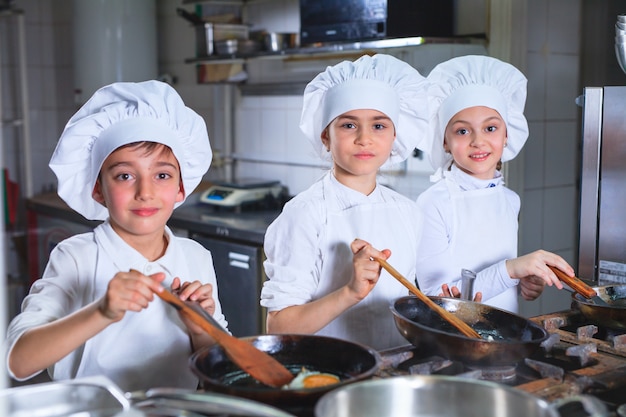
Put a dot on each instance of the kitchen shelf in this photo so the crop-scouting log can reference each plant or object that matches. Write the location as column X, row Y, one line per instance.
column 319, row 50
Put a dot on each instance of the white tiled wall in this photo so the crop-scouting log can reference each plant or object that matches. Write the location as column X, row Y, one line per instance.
column 266, row 128
column 549, row 214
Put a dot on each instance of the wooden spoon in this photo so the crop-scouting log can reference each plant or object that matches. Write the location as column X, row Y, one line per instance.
column 251, row 360
column 446, row 315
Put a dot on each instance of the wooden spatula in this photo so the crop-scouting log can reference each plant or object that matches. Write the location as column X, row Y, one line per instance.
column 579, row 286
column 251, row 360
column 449, row 317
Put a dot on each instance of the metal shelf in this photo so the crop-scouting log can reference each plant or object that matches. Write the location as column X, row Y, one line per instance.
column 335, row 48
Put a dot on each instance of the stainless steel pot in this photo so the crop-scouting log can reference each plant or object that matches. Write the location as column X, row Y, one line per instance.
column 613, row 315
column 441, row 396
column 514, row 337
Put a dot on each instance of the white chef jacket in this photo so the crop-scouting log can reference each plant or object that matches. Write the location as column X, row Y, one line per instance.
column 145, row 349
column 469, row 228
column 309, row 256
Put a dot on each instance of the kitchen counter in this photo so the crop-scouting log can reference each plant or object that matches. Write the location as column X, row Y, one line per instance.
column 192, row 216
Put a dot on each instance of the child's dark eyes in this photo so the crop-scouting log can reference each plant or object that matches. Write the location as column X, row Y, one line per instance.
column 492, row 129
column 123, row 177
column 462, row 131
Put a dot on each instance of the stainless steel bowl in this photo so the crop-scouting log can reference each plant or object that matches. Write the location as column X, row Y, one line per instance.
column 437, row 395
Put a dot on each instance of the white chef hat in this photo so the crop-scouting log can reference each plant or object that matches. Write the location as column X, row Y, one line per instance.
column 475, row 80
column 119, row 114
column 380, row 82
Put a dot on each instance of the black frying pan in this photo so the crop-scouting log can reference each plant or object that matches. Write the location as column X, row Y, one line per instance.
column 351, row 362
column 514, row 337
column 613, row 314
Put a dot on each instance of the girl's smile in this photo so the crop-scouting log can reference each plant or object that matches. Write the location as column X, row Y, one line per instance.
column 476, row 137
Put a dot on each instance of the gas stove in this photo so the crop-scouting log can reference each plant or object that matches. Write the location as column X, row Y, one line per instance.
column 577, row 358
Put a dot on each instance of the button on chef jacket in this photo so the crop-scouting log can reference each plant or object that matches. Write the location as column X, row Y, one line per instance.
column 308, row 255
column 469, row 226
column 145, row 349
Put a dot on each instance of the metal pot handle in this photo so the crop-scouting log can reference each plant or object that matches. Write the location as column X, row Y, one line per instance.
column 590, row 405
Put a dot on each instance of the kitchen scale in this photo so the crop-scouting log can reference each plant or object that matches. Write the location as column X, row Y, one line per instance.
column 241, row 192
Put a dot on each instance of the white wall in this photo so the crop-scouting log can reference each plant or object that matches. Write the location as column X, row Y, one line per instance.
column 550, row 200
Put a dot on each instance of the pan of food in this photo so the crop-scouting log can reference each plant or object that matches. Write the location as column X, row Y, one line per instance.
column 506, row 338
column 320, row 364
column 611, row 315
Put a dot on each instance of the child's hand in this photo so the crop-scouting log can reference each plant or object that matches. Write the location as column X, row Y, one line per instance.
column 535, row 264
column 531, row 287
column 129, row 291
column 195, row 291
column 455, row 293
column 366, row 269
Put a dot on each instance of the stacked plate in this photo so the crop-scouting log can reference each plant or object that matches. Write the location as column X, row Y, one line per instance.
column 620, row 41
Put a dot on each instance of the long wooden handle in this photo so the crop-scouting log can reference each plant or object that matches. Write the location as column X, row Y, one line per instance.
column 258, row 364
column 451, row 318
column 575, row 283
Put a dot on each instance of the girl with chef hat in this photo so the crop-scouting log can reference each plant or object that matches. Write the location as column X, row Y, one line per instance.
column 128, row 157
column 470, row 217
column 322, row 278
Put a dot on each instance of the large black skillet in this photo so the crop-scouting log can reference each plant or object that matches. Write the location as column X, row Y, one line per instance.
column 513, row 337
column 351, row 362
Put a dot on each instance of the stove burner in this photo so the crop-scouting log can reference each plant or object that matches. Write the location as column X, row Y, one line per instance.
column 503, row 374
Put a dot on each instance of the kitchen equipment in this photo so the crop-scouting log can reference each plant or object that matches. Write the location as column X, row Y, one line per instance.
column 578, row 357
column 579, row 286
column 336, row 21
column 88, row 397
column 276, row 42
column 514, row 337
column 251, row 360
column 206, row 403
column 463, row 327
column 612, row 313
column 602, row 236
column 241, row 192
column 437, row 395
column 350, row 361
column 467, row 284
column 209, row 33
column 226, row 47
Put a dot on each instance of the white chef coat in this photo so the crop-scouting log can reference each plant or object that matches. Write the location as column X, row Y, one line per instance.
column 309, row 256
column 469, row 228
column 145, row 349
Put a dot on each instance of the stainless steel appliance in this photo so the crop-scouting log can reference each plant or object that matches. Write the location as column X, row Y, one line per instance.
column 602, row 235
column 340, row 20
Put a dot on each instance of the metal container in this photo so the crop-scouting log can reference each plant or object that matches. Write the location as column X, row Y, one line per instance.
column 442, row 396
column 275, row 42
column 209, row 33
column 88, row 397
column 226, row 47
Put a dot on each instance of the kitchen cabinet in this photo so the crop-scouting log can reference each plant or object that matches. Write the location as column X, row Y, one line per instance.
column 239, row 270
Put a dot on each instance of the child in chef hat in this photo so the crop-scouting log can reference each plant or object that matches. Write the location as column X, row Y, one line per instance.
column 128, row 157
column 470, row 217
column 322, row 277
